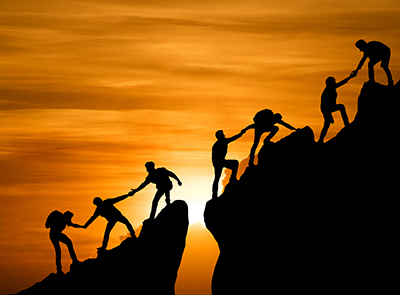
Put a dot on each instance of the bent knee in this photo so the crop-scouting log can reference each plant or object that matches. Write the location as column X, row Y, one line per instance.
column 341, row 106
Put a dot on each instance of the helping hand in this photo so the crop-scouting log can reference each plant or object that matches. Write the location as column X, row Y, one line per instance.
column 353, row 73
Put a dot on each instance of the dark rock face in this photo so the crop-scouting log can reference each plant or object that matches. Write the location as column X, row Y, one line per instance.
column 147, row 265
column 316, row 218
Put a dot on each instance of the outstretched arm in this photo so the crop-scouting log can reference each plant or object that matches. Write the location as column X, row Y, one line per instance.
column 345, row 80
column 120, row 198
column 237, row 136
column 142, row 186
column 91, row 219
column 252, row 126
column 173, row 175
column 361, row 63
column 75, row 225
column 288, row 126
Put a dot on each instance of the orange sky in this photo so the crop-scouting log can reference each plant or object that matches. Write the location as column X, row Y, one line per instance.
column 91, row 90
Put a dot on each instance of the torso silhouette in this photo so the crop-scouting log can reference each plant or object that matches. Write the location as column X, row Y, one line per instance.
column 160, row 177
column 219, row 151
column 107, row 210
column 376, row 50
column 328, row 98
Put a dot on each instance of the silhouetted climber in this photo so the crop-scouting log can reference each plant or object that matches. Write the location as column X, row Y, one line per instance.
column 264, row 121
column 376, row 52
column 219, row 151
column 160, row 177
column 57, row 222
column 107, row 210
column 329, row 105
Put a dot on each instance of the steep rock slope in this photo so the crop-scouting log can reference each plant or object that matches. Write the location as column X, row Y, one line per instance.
column 315, row 218
column 147, row 265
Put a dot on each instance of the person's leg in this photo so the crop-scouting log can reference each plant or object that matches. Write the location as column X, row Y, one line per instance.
column 154, row 204
column 109, row 227
column 324, row 131
column 371, row 74
column 274, row 130
column 167, row 198
column 328, row 120
column 385, row 67
column 342, row 109
column 217, row 176
column 56, row 243
column 233, row 165
column 128, row 225
column 257, row 136
column 67, row 241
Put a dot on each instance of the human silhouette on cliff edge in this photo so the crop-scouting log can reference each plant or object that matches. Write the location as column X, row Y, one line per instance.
column 329, row 105
column 161, row 178
column 107, row 210
column 219, row 151
column 57, row 222
column 264, row 121
column 376, row 52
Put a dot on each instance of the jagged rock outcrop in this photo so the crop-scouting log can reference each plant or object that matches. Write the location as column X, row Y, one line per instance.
column 147, row 265
column 315, row 218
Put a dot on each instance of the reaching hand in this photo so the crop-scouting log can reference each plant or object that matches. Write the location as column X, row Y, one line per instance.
column 132, row 192
column 179, row 183
column 353, row 73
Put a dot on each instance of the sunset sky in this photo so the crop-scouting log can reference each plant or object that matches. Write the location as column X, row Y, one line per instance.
column 91, row 90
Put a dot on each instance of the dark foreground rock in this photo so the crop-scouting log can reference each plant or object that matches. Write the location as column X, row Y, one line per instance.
column 147, row 265
column 315, row 218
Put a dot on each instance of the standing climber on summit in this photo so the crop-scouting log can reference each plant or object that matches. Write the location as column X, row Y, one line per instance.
column 376, row 52
column 160, row 177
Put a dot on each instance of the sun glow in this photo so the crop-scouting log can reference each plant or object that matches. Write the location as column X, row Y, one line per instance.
column 195, row 191
column 196, row 210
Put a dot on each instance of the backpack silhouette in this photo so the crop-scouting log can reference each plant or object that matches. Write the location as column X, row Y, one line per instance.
column 54, row 218
column 264, row 117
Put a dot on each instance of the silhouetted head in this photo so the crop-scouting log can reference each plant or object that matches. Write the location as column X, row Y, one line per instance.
column 360, row 44
column 150, row 166
column 220, row 134
column 68, row 215
column 330, row 81
column 97, row 201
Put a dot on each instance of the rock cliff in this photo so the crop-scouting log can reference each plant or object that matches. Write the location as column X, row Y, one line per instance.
column 315, row 218
column 147, row 265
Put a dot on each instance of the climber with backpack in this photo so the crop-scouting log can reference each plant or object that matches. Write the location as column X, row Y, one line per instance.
column 57, row 222
column 264, row 121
